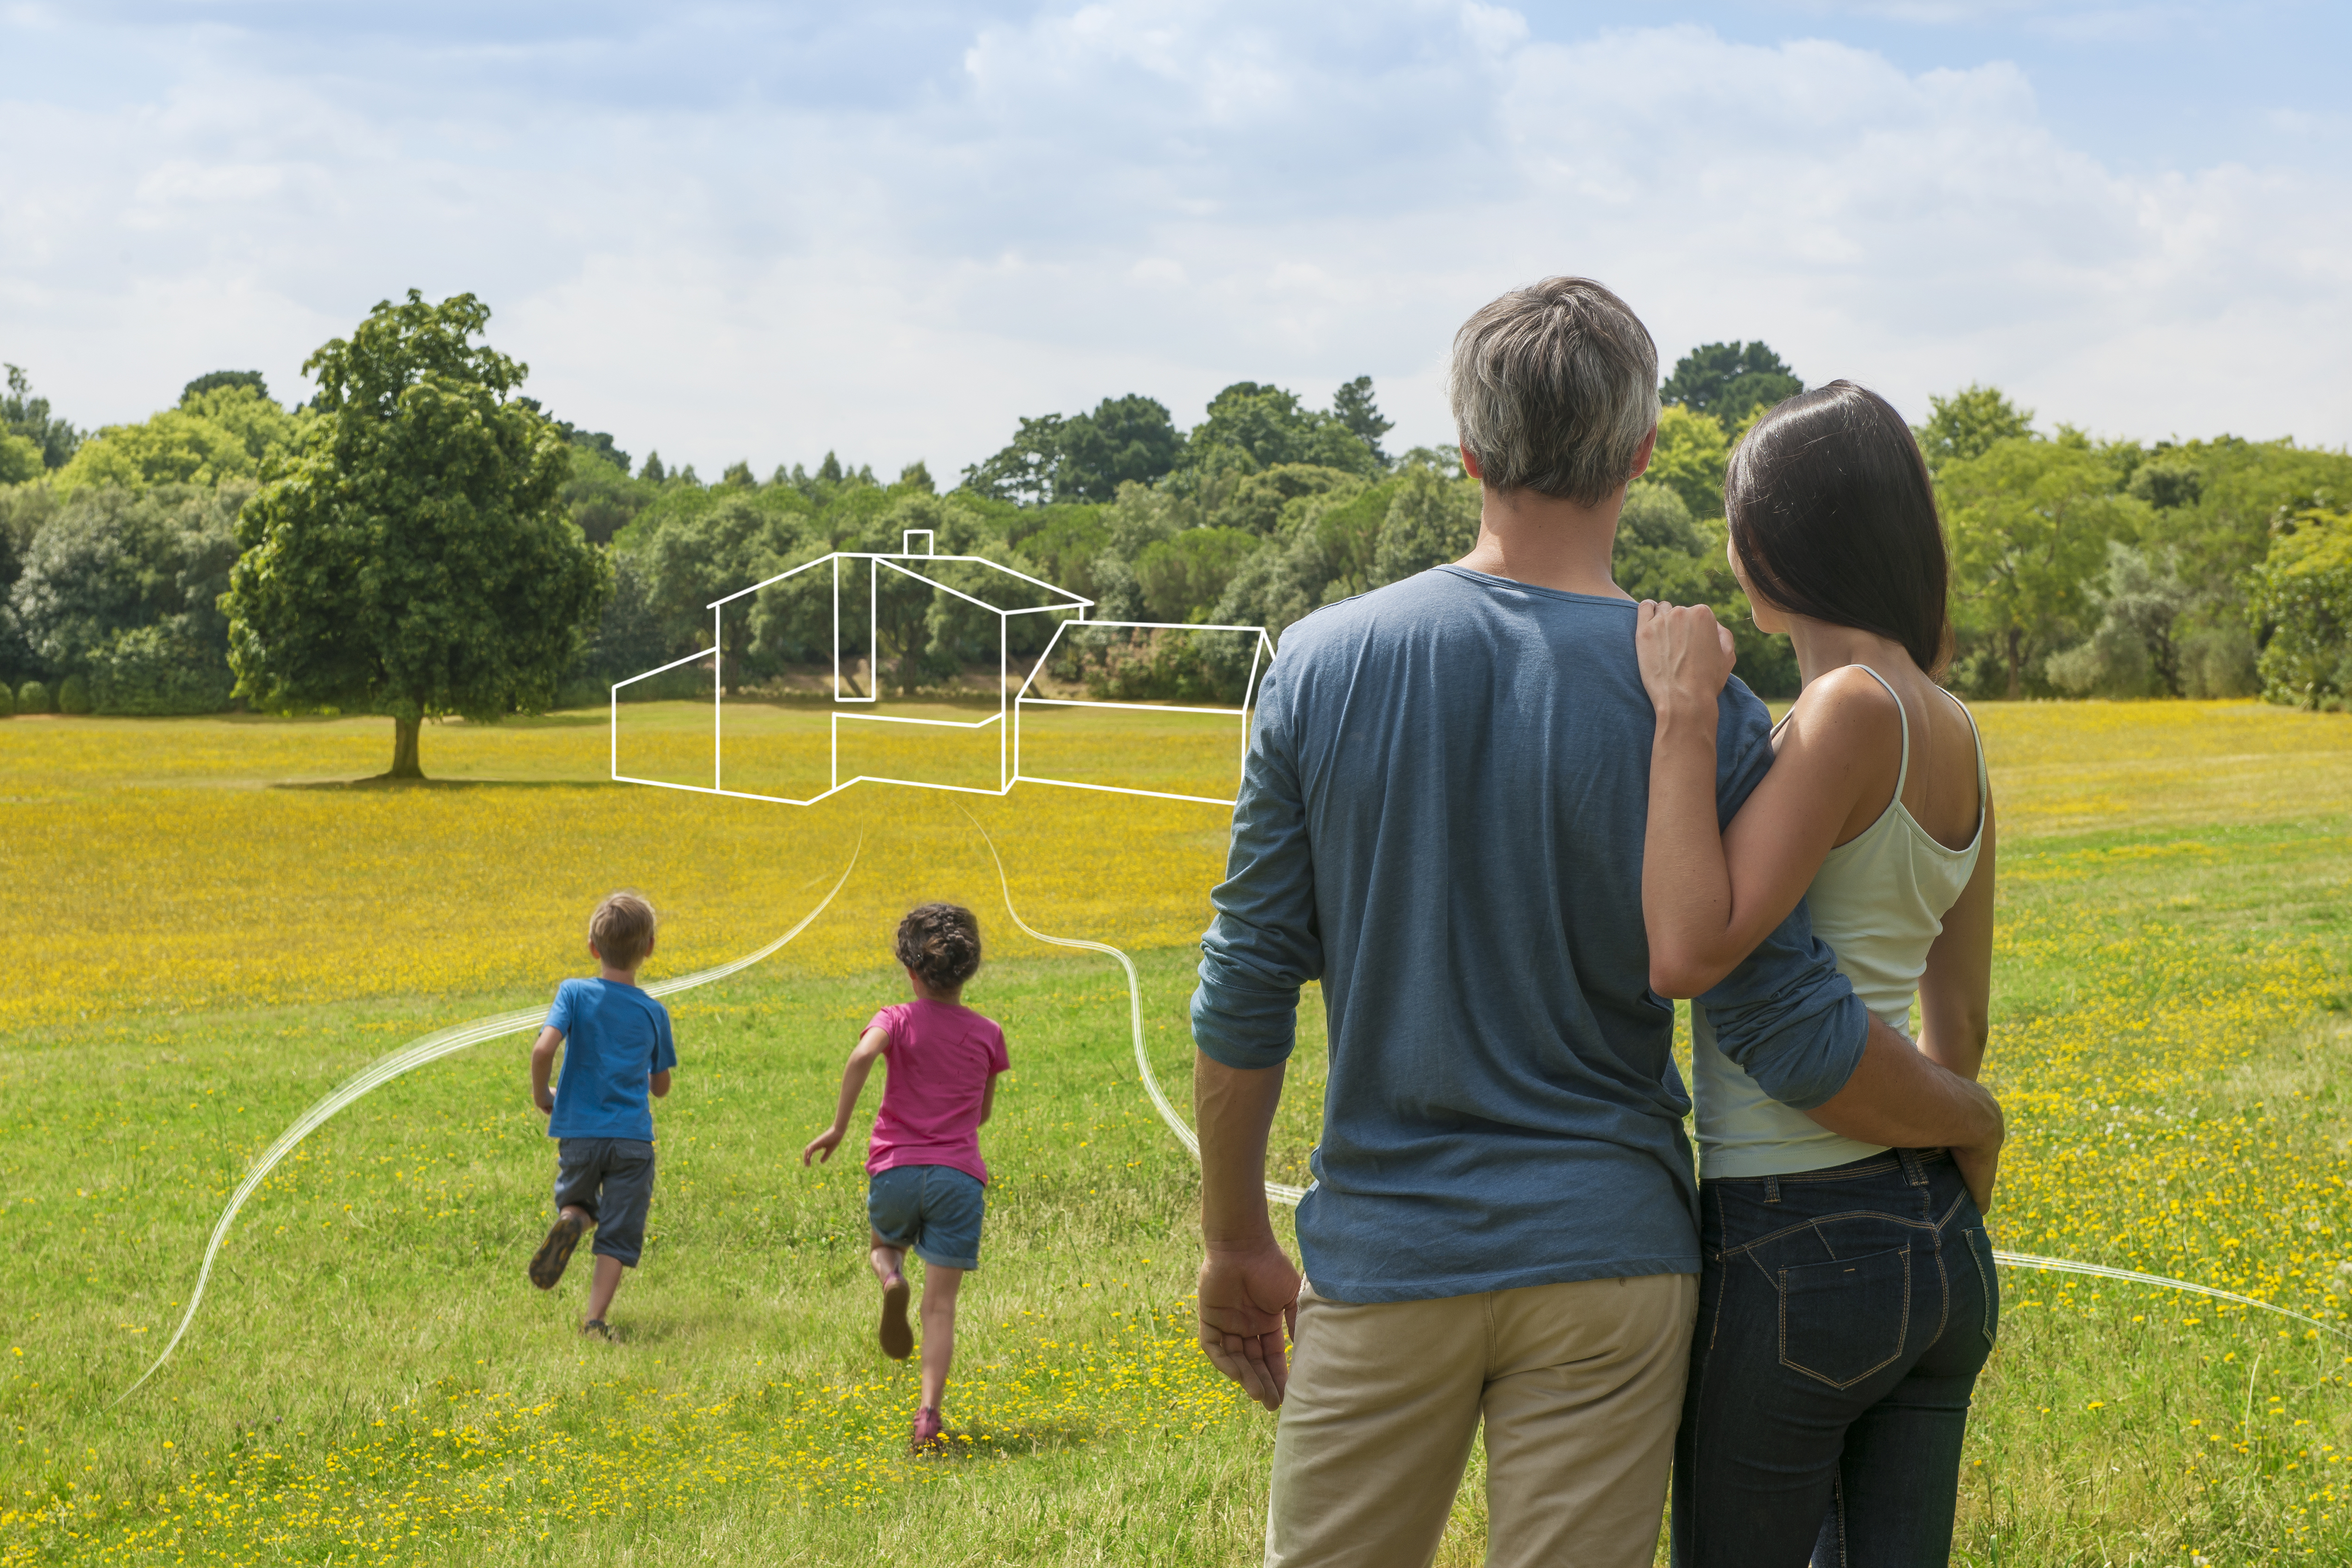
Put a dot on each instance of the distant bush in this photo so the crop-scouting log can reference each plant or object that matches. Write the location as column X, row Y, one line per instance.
column 158, row 669
column 2218, row 661
column 73, row 694
column 2133, row 652
column 1159, row 666
column 7, row 701
column 686, row 684
column 32, row 698
column 110, row 562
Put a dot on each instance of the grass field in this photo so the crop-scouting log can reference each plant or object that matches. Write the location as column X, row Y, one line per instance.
column 222, row 926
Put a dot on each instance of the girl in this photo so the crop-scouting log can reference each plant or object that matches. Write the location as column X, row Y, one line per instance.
column 1848, row 1299
column 925, row 1181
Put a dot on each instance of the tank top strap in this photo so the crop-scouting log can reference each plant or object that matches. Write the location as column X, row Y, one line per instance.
column 1903, row 774
column 1984, row 782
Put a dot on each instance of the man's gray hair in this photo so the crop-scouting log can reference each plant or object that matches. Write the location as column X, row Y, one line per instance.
column 1553, row 387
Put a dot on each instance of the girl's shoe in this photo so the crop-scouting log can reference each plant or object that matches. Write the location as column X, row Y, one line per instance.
column 596, row 1329
column 897, row 1339
column 547, row 1265
column 928, row 1427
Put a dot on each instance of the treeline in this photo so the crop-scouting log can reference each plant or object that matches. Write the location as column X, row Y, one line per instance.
column 2218, row 567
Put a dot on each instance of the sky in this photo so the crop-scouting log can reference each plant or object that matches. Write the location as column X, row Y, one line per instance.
column 765, row 232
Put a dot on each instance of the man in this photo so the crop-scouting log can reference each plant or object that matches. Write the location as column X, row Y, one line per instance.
column 1441, row 819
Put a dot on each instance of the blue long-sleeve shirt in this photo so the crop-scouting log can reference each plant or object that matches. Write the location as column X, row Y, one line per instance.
column 1441, row 819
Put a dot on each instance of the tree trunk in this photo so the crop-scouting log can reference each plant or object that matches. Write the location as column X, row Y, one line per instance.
column 2166, row 656
column 403, row 748
column 2015, row 689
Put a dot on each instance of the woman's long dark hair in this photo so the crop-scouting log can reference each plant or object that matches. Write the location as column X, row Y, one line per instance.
column 1833, row 517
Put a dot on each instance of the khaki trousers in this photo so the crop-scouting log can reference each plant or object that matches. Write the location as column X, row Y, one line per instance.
column 1580, row 1386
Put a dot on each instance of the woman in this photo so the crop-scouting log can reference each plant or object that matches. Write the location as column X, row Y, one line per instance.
column 1848, row 1298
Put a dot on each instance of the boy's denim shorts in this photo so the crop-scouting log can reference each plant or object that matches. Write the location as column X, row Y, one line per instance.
column 613, row 1179
column 935, row 1209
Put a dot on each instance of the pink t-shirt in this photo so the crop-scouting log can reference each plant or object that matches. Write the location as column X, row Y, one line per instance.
column 941, row 1057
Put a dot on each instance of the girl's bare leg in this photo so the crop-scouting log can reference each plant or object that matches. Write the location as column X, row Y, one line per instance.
column 939, row 1288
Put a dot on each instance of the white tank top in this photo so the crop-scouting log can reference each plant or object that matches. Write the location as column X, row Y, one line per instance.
column 1878, row 901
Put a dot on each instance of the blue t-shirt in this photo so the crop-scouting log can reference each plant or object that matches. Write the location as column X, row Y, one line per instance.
column 1441, row 819
column 615, row 1039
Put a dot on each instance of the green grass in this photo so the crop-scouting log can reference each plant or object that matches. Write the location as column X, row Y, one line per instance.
column 373, row 1301
column 2170, row 1043
column 373, row 1378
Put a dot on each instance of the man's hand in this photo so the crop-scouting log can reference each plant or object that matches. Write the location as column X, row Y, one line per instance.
column 1685, row 652
column 823, row 1145
column 1249, row 1305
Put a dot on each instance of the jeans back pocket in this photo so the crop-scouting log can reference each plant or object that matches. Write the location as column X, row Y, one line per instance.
column 1843, row 1320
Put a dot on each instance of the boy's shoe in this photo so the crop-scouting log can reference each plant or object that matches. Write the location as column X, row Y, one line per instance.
column 928, row 1427
column 897, row 1339
column 597, row 1329
column 548, row 1264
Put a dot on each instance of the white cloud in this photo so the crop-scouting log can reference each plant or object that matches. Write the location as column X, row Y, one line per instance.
column 2060, row 18
column 1156, row 197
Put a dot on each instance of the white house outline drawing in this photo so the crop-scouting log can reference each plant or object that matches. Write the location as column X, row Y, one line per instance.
column 1010, row 709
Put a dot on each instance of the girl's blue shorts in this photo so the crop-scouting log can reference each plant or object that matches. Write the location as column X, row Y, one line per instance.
column 934, row 1209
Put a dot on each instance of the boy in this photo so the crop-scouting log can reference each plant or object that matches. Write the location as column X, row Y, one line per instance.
column 617, row 1045
column 926, row 1185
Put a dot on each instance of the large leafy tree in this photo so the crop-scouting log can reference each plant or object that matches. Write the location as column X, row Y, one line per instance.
column 229, row 431
column 696, row 559
column 1082, row 456
column 1253, row 425
column 1026, row 467
column 1125, row 440
column 2303, row 611
column 1728, row 382
column 2030, row 522
column 1968, row 424
column 415, row 559
column 1352, row 404
column 27, row 418
column 20, row 460
column 1182, row 576
column 214, row 379
column 1689, row 459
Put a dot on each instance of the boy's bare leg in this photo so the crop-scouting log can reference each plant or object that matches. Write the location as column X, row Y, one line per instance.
column 889, row 1263
column 939, row 1288
column 601, row 1289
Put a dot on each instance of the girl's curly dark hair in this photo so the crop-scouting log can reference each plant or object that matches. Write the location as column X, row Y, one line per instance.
column 941, row 943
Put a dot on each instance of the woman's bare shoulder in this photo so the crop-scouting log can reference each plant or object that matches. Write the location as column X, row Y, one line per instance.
column 1847, row 706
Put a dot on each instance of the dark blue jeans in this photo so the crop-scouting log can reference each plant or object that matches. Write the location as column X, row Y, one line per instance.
column 1842, row 1318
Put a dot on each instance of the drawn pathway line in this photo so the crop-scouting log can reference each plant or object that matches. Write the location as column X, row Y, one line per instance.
column 1277, row 1191
column 2133, row 1276
column 416, row 1054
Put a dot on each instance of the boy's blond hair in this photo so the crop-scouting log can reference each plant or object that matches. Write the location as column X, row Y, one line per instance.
column 622, row 929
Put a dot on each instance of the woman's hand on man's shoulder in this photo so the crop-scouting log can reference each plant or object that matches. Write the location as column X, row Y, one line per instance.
column 1685, row 654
